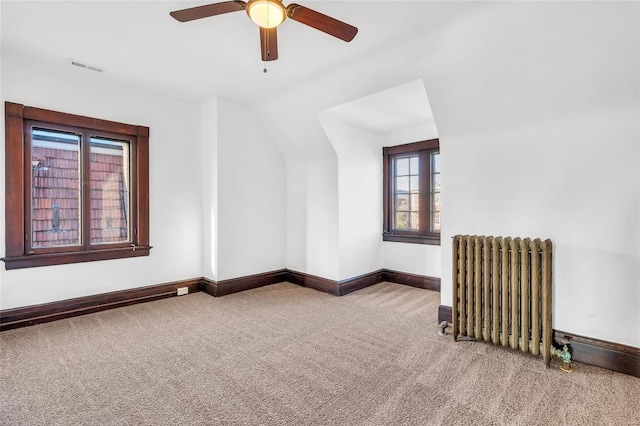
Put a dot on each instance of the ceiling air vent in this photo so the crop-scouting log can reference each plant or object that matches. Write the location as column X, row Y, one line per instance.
column 85, row 66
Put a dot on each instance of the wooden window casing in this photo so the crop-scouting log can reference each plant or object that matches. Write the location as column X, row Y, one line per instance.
column 20, row 253
column 424, row 234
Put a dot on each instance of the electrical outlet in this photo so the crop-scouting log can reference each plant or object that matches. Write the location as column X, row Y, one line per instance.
column 183, row 290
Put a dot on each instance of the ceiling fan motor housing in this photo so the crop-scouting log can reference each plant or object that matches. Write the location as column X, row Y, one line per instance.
column 266, row 13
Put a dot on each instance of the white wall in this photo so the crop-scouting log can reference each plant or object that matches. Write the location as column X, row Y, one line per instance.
column 217, row 186
column 359, row 152
column 361, row 249
column 540, row 139
column 209, row 167
column 312, row 216
column 311, row 184
column 564, row 184
column 537, row 108
column 358, row 130
column 322, row 245
column 251, row 195
column 297, row 207
column 311, row 211
column 175, row 188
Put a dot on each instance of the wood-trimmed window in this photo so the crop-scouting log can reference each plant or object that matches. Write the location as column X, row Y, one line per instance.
column 411, row 193
column 77, row 188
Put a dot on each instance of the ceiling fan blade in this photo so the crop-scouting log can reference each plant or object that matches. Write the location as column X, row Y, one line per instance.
column 321, row 22
column 269, row 43
column 200, row 12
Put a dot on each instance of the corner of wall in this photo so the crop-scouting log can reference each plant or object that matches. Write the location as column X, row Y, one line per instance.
column 209, row 160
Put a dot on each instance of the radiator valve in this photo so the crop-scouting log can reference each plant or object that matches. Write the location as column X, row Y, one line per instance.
column 565, row 356
column 442, row 328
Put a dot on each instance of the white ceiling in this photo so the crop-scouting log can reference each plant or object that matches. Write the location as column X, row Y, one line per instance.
column 137, row 42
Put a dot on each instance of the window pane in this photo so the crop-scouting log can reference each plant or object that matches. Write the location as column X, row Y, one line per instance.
column 436, row 182
column 402, row 166
column 415, row 223
column 436, row 201
column 435, row 221
column 415, row 168
column 435, row 192
column 402, row 185
column 110, row 191
column 415, row 202
column 415, row 184
column 402, row 221
column 435, row 158
column 55, row 189
column 402, row 202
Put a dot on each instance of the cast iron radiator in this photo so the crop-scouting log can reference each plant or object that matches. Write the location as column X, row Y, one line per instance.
column 502, row 292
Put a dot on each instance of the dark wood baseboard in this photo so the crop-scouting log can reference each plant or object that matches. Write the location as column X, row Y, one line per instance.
column 444, row 314
column 612, row 356
column 357, row 283
column 37, row 314
column 336, row 288
column 413, row 280
column 235, row 285
column 312, row 281
column 340, row 288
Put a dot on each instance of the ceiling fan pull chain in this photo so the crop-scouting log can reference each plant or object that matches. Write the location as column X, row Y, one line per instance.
column 266, row 42
column 266, row 47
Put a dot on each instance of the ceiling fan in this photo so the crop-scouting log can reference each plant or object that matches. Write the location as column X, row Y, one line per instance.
column 268, row 14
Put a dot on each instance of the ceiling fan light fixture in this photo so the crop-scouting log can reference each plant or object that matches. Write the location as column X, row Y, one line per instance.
column 266, row 13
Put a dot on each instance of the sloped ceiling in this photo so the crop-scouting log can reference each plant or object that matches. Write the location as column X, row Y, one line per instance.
column 398, row 107
column 138, row 43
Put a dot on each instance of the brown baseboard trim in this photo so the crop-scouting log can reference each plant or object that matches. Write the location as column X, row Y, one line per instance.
column 340, row 288
column 413, row 280
column 208, row 286
column 311, row 281
column 444, row 314
column 235, row 285
column 609, row 355
column 612, row 356
column 37, row 314
column 356, row 283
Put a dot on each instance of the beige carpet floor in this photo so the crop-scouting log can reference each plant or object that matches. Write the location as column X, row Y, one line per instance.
column 287, row 355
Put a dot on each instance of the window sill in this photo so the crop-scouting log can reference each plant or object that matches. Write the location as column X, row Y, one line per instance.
column 35, row 260
column 412, row 239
